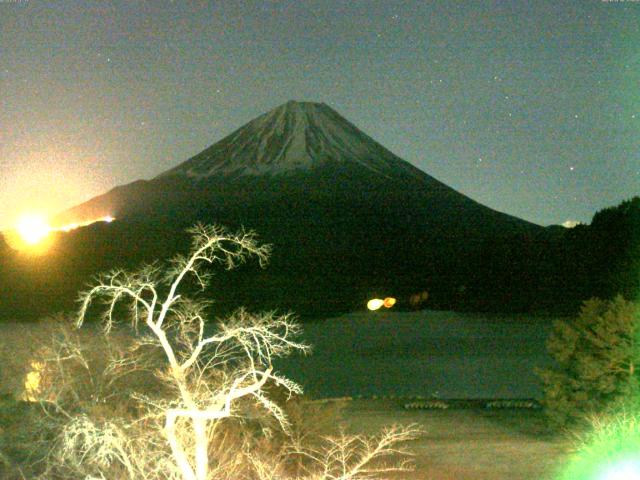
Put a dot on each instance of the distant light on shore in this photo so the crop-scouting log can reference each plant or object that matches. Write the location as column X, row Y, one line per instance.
column 389, row 302
column 376, row 303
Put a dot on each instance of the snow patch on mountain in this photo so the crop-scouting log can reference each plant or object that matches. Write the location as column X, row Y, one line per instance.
column 293, row 136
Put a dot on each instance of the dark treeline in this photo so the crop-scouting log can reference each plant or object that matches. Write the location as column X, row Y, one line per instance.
column 557, row 271
column 537, row 270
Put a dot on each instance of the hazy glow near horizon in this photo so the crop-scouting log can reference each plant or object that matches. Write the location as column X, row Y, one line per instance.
column 32, row 229
column 74, row 225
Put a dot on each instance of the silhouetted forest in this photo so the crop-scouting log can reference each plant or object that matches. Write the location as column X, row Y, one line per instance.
column 558, row 270
column 549, row 269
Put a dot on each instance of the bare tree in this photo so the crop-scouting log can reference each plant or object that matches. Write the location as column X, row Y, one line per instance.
column 358, row 457
column 177, row 324
column 160, row 404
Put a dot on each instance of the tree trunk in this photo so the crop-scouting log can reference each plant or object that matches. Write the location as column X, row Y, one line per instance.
column 202, row 448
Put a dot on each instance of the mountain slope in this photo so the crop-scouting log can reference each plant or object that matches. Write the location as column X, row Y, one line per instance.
column 298, row 148
column 347, row 218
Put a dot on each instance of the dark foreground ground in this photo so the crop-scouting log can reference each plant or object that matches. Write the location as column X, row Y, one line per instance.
column 456, row 444
column 468, row 444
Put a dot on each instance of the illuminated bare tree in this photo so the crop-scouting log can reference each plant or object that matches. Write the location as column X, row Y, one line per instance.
column 158, row 405
column 358, row 457
column 209, row 371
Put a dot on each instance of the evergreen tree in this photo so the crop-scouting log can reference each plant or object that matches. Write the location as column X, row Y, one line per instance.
column 596, row 361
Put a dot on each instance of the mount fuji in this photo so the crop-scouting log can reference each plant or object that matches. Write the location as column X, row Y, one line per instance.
column 347, row 218
column 293, row 136
column 297, row 148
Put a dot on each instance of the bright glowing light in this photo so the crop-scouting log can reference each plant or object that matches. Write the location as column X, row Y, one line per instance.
column 72, row 226
column 33, row 229
column 627, row 470
column 389, row 302
column 33, row 233
column 69, row 227
column 570, row 224
column 610, row 452
column 375, row 304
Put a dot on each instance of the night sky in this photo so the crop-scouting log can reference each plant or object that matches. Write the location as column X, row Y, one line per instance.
column 529, row 107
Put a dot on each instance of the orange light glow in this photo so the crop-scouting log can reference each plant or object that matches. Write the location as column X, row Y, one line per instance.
column 376, row 303
column 389, row 302
column 33, row 229
column 69, row 227
column 33, row 233
column 72, row 226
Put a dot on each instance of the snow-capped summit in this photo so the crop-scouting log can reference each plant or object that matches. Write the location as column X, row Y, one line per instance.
column 293, row 136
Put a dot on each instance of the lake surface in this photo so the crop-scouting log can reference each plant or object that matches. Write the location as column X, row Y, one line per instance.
column 386, row 353
column 427, row 353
